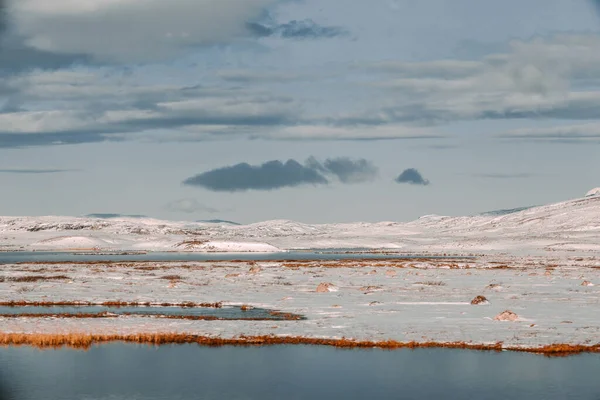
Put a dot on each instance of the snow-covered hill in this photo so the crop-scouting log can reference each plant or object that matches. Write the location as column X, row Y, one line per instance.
column 572, row 225
column 593, row 192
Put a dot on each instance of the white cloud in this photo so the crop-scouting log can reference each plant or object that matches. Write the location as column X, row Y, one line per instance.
column 538, row 78
column 580, row 132
column 328, row 132
column 552, row 78
column 80, row 102
column 30, row 122
column 437, row 68
column 189, row 206
column 130, row 30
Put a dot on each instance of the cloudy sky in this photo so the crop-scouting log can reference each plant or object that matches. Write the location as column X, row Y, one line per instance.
column 311, row 110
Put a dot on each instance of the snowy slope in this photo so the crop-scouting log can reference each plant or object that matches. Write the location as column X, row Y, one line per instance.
column 594, row 192
column 572, row 225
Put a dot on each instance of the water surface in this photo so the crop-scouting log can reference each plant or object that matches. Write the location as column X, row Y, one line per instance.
column 225, row 312
column 42, row 256
column 178, row 372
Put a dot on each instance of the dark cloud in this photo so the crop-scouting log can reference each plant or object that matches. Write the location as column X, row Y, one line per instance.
column 268, row 176
column 304, row 29
column 16, row 57
column 34, row 171
column 346, row 169
column 276, row 175
column 412, row 176
column 2, row 18
column 308, row 29
column 260, row 30
column 596, row 3
column 92, row 126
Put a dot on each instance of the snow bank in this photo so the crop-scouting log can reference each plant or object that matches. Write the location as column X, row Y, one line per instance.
column 71, row 242
column 593, row 192
column 239, row 247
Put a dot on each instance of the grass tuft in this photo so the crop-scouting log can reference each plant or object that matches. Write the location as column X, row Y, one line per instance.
column 431, row 283
column 36, row 278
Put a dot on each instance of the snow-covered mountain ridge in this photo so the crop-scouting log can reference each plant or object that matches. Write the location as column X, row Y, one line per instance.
column 572, row 225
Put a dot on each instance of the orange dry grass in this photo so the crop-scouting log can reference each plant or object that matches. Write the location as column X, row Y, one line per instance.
column 172, row 277
column 85, row 341
column 35, row 278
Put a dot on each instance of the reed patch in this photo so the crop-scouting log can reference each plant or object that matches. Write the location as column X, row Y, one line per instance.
column 85, row 341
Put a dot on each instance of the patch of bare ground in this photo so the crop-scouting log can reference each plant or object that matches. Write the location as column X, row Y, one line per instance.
column 370, row 263
column 370, row 288
column 431, row 283
column 41, row 270
column 502, row 266
column 506, row 315
column 85, row 341
column 190, row 244
column 25, row 289
column 172, row 277
column 325, row 287
column 148, row 268
column 494, row 286
column 479, row 300
column 254, row 269
column 170, row 266
column 153, row 265
column 34, row 278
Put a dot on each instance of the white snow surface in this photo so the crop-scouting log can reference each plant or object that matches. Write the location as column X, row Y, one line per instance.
column 572, row 225
column 404, row 299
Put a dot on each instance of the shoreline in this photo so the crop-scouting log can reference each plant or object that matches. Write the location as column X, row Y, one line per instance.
column 86, row 341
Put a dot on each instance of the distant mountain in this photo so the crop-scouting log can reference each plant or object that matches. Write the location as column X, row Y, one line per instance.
column 218, row 221
column 571, row 225
column 498, row 213
column 111, row 216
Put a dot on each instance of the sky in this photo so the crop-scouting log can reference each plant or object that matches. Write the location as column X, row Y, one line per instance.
column 310, row 110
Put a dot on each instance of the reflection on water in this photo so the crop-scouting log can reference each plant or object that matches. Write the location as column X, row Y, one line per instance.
column 225, row 312
column 125, row 371
column 13, row 257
